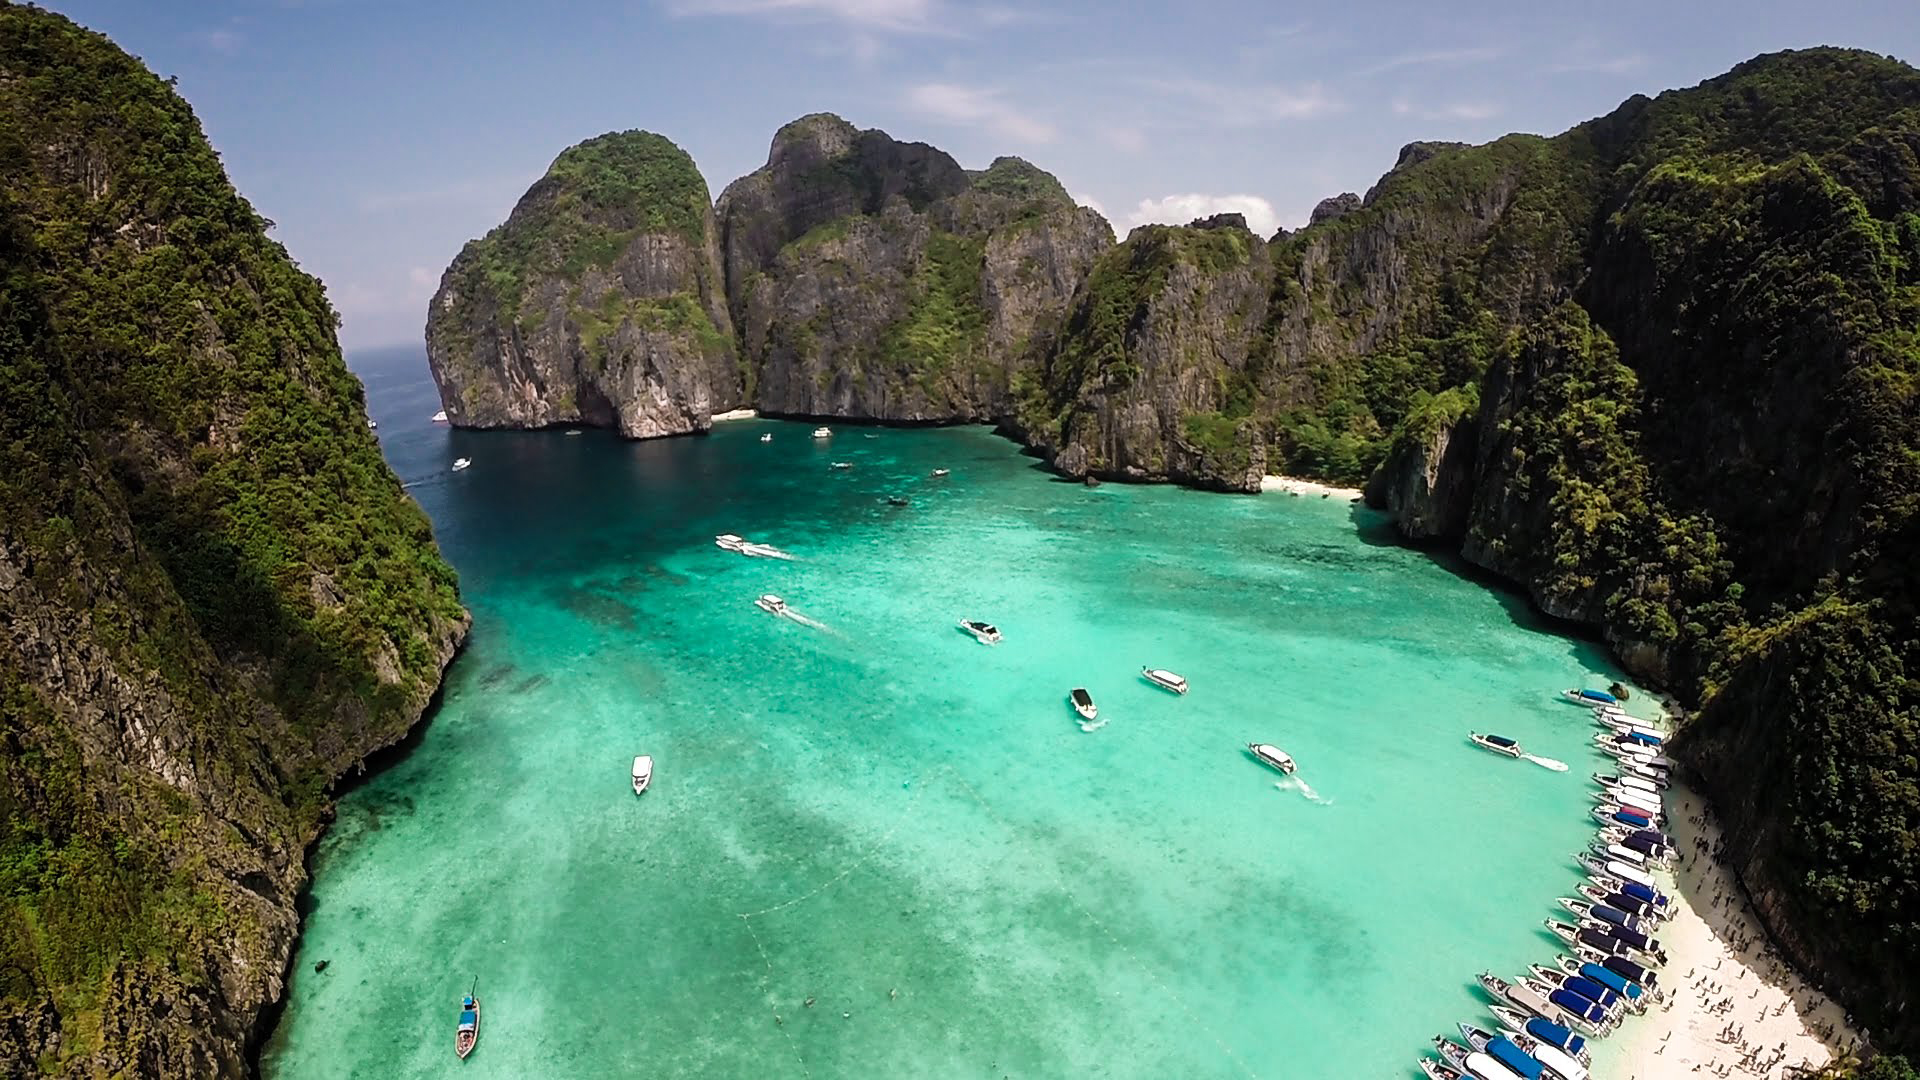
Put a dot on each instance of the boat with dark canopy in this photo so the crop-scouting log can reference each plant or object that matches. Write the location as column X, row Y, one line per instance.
column 468, row 1033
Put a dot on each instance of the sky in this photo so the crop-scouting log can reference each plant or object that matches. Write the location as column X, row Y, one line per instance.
column 381, row 135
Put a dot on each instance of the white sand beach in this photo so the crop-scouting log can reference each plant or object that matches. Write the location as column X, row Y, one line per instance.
column 1295, row 486
column 735, row 414
column 1735, row 1008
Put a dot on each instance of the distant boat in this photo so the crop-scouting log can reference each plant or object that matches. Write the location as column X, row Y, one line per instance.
column 440, row 417
column 942, row 472
column 642, row 773
column 372, row 423
column 461, row 463
column 468, row 1033
column 898, row 500
column 1499, row 744
column 843, row 464
column 1592, row 697
column 823, row 433
column 1165, row 679
column 1274, row 756
column 574, row 431
column 983, row 632
column 729, row 542
column 771, row 604
column 1083, row 703
column 768, row 437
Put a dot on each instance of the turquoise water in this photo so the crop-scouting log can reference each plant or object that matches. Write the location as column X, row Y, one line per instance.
column 908, row 828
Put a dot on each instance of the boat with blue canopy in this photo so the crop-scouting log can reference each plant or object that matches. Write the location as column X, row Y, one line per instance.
column 1624, row 966
column 468, row 1033
column 1558, row 1036
column 1636, row 995
column 1503, row 1050
column 1592, row 697
column 1603, row 996
column 1586, row 1014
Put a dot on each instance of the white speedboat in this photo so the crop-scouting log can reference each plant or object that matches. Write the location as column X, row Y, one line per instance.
column 372, row 424
column 1083, row 703
column 440, row 417
column 768, row 437
column 843, row 464
column 642, row 773
column 1499, row 744
column 983, row 632
column 942, row 472
column 1272, row 755
column 1165, row 679
column 823, row 433
column 1625, row 779
column 461, row 463
column 729, row 542
column 771, row 604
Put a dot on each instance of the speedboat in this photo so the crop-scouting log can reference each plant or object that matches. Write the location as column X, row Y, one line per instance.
column 1451, row 1052
column 1164, row 679
column 1522, row 998
column 461, row 463
column 1632, row 905
column 1500, row 1048
column 1642, row 841
column 1631, row 797
column 1437, row 1071
column 823, row 433
column 768, row 437
column 1626, row 967
column 1591, row 697
column 372, row 424
column 984, row 633
column 1626, row 780
column 642, row 773
column 1559, row 1064
column 1586, row 1015
column 1637, row 996
column 1083, row 703
column 440, row 417
column 468, row 1033
column 1625, row 854
column 1272, row 755
column 1616, row 816
column 942, row 472
column 843, row 464
column 1587, row 909
column 1499, row 744
column 898, row 500
column 1600, row 994
column 771, row 604
column 729, row 542
column 1519, row 1022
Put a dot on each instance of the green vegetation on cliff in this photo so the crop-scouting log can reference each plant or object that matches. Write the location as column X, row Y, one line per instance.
column 217, row 596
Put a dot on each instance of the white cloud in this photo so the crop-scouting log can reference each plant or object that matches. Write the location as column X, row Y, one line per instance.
column 1090, row 203
column 1461, row 110
column 978, row 108
column 1125, row 139
column 1248, row 106
column 896, row 15
column 1435, row 58
column 1180, row 209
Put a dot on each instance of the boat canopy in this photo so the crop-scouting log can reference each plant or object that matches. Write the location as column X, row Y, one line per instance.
column 1631, row 969
column 1555, row 1035
column 1503, row 1050
column 1499, row 740
column 469, row 1019
column 1599, row 695
column 1646, row 738
column 1643, row 892
column 1590, row 990
column 1081, row 697
column 1484, row 1066
column 1613, row 980
column 1627, row 817
column 1578, row 1006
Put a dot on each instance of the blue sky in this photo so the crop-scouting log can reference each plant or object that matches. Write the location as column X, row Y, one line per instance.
column 381, row 135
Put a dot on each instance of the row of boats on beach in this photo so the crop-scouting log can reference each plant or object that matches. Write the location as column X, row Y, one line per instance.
column 1543, row 1020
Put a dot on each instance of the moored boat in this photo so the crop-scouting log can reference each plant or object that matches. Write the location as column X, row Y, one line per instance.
column 823, row 433
column 1586, row 1015
column 440, row 417
column 768, row 437
column 1436, row 1070
column 1164, row 679
column 1272, row 755
column 1630, row 780
column 1503, row 1050
column 1637, row 996
column 942, row 472
column 1603, row 996
column 642, row 773
column 1591, row 697
column 1624, row 966
column 1523, row 999
column 983, row 632
column 1499, row 744
column 467, row 1035
column 1082, row 703
column 460, row 464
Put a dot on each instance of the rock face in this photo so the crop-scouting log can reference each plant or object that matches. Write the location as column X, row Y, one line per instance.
column 876, row 279
column 1150, row 378
column 600, row 301
column 214, row 597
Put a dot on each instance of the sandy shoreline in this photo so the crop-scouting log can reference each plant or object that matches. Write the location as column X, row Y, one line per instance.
column 1736, row 1008
column 1296, row 486
column 736, row 414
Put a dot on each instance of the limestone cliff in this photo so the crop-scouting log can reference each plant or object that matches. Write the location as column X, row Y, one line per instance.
column 599, row 301
column 876, row 279
column 214, row 597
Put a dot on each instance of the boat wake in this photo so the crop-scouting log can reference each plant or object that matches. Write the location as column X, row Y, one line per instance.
column 1546, row 762
column 1294, row 783
column 1091, row 726
column 804, row 621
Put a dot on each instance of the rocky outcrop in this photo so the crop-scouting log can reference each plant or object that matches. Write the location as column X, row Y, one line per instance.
column 214, row 596
column 876, row 279
column 1150, row 380
column 600, row 301
column 1334, row 208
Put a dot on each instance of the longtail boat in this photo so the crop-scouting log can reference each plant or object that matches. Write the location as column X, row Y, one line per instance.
column 469, row 1030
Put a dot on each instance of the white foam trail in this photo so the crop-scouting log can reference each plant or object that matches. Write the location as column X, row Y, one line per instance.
column 804, row 621
column 1091, row 726
column 1547, row 763
column 1294, row 783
